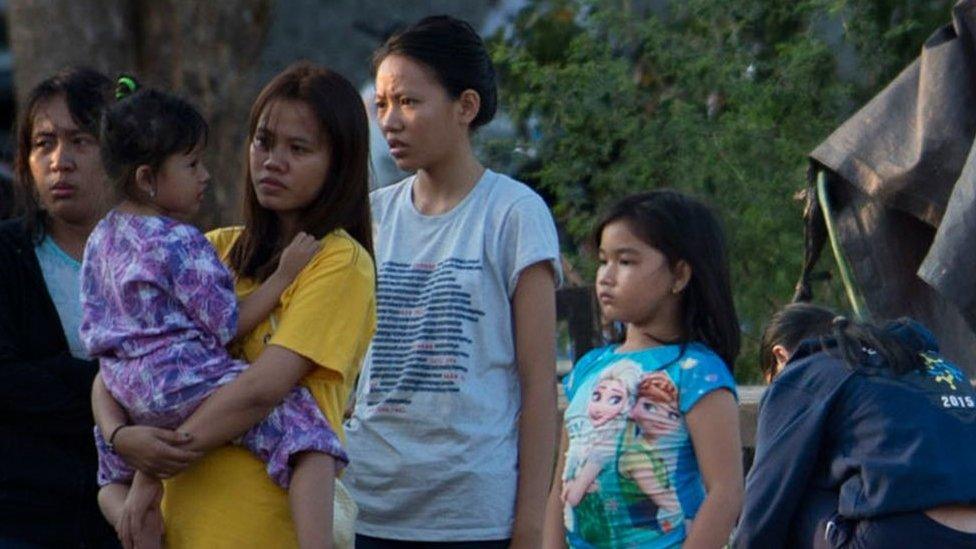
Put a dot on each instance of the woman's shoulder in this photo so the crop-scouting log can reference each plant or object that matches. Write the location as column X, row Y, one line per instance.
column 387, row 192
column 14, row 240
column 224, row 237
column 506, row 191
column 339, row 250
column 13, row 233
column 388, row 198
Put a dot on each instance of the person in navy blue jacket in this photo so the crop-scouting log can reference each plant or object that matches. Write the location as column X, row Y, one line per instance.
column 866, row 438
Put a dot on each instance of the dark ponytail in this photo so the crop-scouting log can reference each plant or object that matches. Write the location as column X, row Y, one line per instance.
column 789, row 327
column 454, row 53
column 897, row 345
column 860, row 343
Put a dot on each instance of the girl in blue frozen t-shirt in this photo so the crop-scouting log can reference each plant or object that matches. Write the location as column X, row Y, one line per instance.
column 667, row 470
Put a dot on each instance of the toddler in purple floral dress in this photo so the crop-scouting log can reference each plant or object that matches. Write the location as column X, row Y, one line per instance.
column 159, row 307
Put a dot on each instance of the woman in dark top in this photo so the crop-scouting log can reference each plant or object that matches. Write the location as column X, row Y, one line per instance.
column 866, row 438
column 47, row 454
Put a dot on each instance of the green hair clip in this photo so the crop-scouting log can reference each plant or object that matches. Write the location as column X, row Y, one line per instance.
column 125, row 86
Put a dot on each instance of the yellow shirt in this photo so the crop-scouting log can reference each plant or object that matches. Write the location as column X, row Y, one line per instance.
column 328, row 316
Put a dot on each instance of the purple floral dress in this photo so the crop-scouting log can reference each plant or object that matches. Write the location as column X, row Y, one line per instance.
column 158, row 307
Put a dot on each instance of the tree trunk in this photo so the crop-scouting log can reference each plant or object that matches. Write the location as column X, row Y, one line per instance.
column 207, row 52
column 48, row 35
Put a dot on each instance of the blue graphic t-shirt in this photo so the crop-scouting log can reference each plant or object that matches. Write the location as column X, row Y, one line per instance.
column 631, row 477
column 433, row 438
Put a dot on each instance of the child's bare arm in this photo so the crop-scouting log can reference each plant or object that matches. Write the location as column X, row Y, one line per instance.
column 713, row 423
column 311, row 497
column 257, row 306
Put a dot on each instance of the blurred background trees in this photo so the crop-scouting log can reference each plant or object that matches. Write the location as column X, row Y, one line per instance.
column 600, row 97
column 206, row 51
column 720, row 99
column 217, row 54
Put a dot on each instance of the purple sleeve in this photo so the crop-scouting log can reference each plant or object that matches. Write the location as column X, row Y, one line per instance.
column 202, row 284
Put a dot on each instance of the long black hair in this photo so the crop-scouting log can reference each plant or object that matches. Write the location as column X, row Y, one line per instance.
column 684, row 229
column 86, row 92
column 454, row 53
column 896, row 345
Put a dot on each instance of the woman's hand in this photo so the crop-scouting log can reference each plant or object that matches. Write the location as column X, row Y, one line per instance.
column 296, row 255
column 154, row 451
column 141, row 524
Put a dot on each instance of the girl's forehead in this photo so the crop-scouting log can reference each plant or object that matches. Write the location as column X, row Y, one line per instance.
column 619, row 230
column 621, row 243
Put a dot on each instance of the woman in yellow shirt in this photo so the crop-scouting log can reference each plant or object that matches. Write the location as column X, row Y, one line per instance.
column 306, row 171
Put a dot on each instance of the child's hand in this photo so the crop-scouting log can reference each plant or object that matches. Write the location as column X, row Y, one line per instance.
column 296, row 255
column 140, row 525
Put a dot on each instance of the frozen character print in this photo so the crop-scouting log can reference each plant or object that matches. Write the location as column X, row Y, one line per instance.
column 646, row 475
column 612, row 396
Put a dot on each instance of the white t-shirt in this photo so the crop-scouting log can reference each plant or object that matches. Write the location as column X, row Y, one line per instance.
column 433, row 438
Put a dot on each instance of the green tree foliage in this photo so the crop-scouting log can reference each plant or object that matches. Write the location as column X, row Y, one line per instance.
column 720, row 99
column 888, row 33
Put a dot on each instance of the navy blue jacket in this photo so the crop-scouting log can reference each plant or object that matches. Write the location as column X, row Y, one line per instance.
column 883, row 443
column 47, row 450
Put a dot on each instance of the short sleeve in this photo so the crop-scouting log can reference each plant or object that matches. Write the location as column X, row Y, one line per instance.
column 202, row 284
column 328, row 314
column 701, row 373
column 528, row 236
